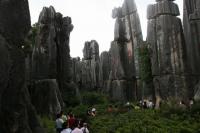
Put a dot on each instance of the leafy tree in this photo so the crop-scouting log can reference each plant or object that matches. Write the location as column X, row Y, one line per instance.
column 30, row 41
column 145, row 70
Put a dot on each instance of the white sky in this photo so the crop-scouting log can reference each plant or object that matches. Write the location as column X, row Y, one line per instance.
column 91, row 19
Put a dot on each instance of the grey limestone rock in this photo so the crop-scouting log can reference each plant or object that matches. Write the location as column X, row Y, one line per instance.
column 191, row 25
column 51, row 55
column 197, row 92
column 46, row 97
column 44, row 58
column 121, row 90
column 191, row 22
column 76, row 70
column 11, row 28
column 105, row 67
column 163, row 7
column 17, row 114
column 90, row 71
column 91, row 50
column 128, row 7
column 51, row 59
column 167, row 48
column 117, row 12
column 124, row 56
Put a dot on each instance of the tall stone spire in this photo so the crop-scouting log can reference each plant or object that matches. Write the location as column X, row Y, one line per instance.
column 165, row 36
column 124, row 52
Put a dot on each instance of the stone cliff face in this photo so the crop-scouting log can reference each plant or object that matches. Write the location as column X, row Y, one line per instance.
column 124, row 60
column 17, row 114
column 167, row 46
column 51, row 62
column 191, row 23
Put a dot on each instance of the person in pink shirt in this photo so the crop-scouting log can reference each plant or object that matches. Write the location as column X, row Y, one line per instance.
column 77, row 127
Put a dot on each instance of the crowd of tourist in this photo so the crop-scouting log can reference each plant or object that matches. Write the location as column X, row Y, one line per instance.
column 70, row 124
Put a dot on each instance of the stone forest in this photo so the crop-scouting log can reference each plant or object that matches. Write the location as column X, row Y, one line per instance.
column 39, row 78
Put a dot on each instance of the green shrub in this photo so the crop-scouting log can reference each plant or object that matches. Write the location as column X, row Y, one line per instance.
column 69, row 96
column 143, row 121
column 92, row 98
column 172, row 108
column 47, row 124
column 80, row 111
column 195, row 108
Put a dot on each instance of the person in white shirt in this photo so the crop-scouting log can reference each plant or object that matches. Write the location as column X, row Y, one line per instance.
column 59, row 123
column 66, row 129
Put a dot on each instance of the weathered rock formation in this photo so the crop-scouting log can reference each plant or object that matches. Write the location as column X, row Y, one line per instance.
column 76, row 71
column 17, row 115
column 46, row 97
column 167, row 46
column 197, row 92
column 90, row 66
column 191, row 25
column 51, row 61
column 124, row 52
column 105, row 68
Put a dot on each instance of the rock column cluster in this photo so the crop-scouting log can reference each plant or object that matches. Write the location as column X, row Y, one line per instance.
column 167, row 47
column 90, row 66
column 51, row 63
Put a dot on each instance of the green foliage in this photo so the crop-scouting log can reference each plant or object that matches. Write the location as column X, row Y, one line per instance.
column 70, row 100
column 34, row 32
column 69, row 96
column 145, row 64
column 195, row 109
column 142, row 121
column 92, row 98
column 80, row 111
column 47, row 124
column 172, row 108
column 169, row 119
column 30, row 41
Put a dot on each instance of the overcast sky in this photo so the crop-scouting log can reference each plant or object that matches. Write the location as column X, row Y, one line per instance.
column 91, row 19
